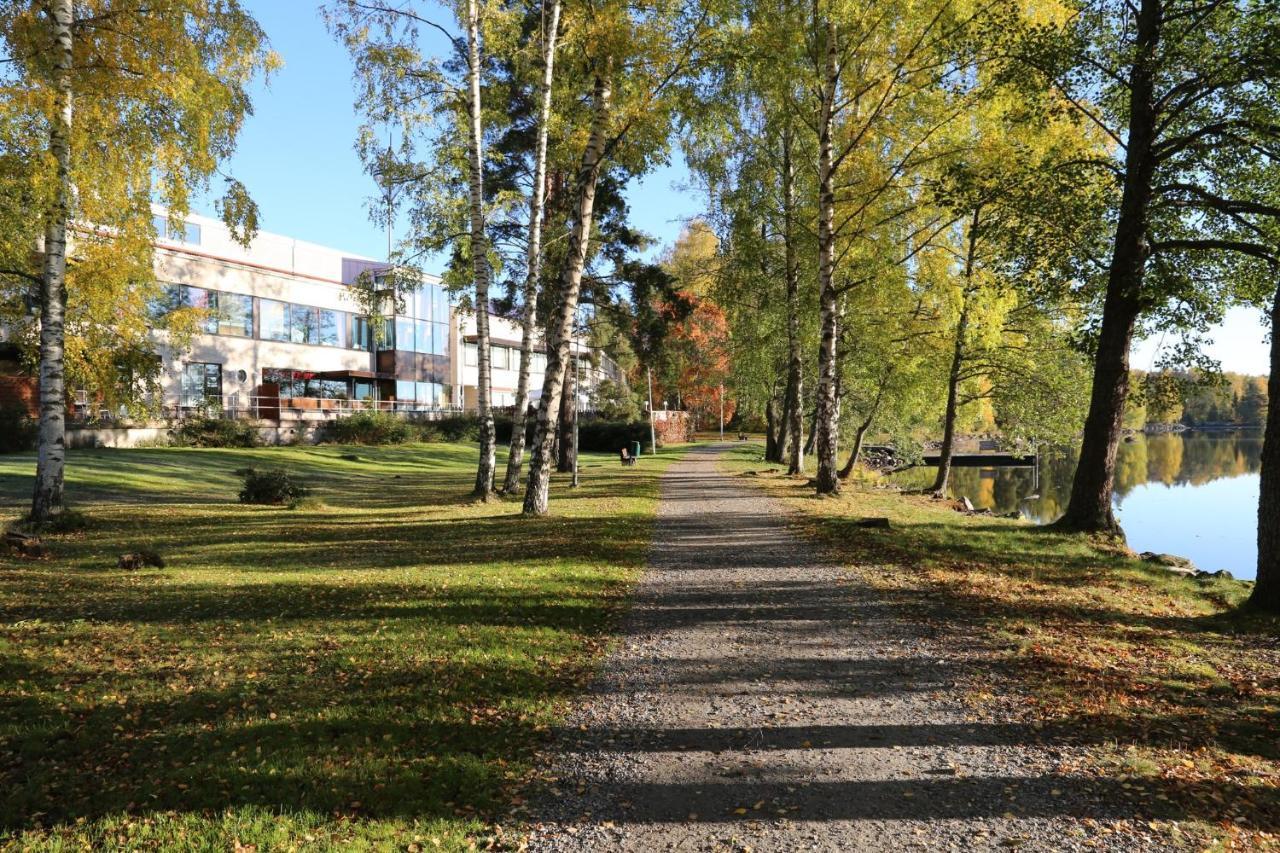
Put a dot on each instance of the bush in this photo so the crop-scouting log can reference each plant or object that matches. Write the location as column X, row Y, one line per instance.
column 369, row 428
column 276, row 487
column 215, row 432
column 608, row 436
column 17, row 431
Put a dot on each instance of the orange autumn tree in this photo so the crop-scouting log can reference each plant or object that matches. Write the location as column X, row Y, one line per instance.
column 694, row 362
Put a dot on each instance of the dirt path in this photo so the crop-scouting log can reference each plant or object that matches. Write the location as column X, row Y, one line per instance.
column 765, row 699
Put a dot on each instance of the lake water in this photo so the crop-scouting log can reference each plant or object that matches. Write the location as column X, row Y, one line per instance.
column 1194, row 494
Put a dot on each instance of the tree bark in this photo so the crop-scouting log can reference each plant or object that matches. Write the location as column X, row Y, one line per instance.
column 567, row 446
column 537, row 206
column 486, row 469
column 856, row 452
column 51, row 437
column 794, row 415
column 1089, row 508
column 1266, row 591
column 947, row 450
column 813, row 432
column 560, row 332
column 827, row 481
column 770, row 432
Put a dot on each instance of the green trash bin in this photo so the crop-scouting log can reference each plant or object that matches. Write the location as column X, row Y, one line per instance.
column 635, row 450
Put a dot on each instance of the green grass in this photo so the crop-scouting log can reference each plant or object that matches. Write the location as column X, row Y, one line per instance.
column 372, row 669
column 1150, row 669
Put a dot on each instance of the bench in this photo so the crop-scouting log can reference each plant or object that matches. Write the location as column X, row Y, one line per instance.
column 626, row 457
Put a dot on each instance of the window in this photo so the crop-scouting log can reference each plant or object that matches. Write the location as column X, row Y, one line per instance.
column 539, row 363
column 333, row 389
column 501, row 357
column 439, row 338
column 405, row 391
column 439, row 303
column 328, row 328
column 274, row 319
column 235, row 315
column 470, row 355
column 364, row 389
column 361, row 333
column 423, row 331
column 185, row 232
column 302, row 324
column 404, row 334
column 201, row 384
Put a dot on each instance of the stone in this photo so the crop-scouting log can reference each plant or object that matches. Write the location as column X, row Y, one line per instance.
column 1172, row 562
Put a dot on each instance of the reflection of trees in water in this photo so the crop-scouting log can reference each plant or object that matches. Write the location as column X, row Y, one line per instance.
column 1172, row 459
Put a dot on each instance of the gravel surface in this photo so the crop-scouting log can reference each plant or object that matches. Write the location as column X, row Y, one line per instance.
column 764, row 698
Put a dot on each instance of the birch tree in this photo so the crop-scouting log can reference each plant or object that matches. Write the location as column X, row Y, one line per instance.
column 643, row 52
column 107, row 107
column 537, row 205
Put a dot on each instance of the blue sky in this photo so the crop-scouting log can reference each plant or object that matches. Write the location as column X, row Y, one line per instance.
column 296, row 156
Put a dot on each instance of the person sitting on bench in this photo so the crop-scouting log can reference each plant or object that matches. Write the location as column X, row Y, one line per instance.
column 627, row 458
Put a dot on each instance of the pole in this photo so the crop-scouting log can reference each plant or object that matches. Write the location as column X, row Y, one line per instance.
column 722, row 411
column 653, row 441
column 577, row 395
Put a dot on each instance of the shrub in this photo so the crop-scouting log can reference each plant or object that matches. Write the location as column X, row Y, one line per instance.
column 215, row 432
column 608, row 436
column 17, row 431
column 276, row 487
column 369, row 428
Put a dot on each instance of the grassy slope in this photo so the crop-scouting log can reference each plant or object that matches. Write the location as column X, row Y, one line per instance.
column 372, row 669
column 1177, row 691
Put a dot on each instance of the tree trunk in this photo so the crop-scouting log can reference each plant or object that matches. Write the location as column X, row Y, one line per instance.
column 560, row 332
column 856, row 452
column 51, row 440
column 794, row 416
column 1266, row 592
column 813, row 432
column 486, row 469
column 947, row 450
column 770, row 432
column 537, row 205
column 568, row 447
column 1089, row 508
column 828, row 481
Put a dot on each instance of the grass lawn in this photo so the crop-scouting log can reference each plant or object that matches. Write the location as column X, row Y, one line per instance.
column 372, row 669
column 1168, row 683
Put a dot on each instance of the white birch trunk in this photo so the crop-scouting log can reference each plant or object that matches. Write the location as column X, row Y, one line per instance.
column 537, row 205
column 485, row 470
column 51, row 442
column 794, row 416
column 828, row 481
column 560, row 331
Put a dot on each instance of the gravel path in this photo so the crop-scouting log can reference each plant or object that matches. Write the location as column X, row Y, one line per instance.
column 763, row 698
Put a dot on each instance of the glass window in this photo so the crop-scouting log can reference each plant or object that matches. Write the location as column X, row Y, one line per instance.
column 405, row 391
column 439, row 338
column 539, row 363
column 235, row 315
column 305, row 384
column 419, row 304
column 361, row 333
column 282, row 379
column 191, row 233
column 161, row 225
column 423, row 392
column 327, row 328
column 201, row 384
column 439, row 303
column 404, row 334
column 470, row 355
column 423, row 331
column 273, row 318
column 501, row 357
column 363, row 389
column 333, row 389
column 302, row 324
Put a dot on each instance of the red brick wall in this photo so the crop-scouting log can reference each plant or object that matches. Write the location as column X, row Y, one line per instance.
column 19, row 391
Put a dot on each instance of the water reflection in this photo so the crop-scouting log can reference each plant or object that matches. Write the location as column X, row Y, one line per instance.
column 1193, row 494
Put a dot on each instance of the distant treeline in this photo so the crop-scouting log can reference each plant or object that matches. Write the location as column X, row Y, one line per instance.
column 1228, row 399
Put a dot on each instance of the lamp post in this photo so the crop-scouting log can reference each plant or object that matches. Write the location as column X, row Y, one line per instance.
column 653, row 441
column 722, row 411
